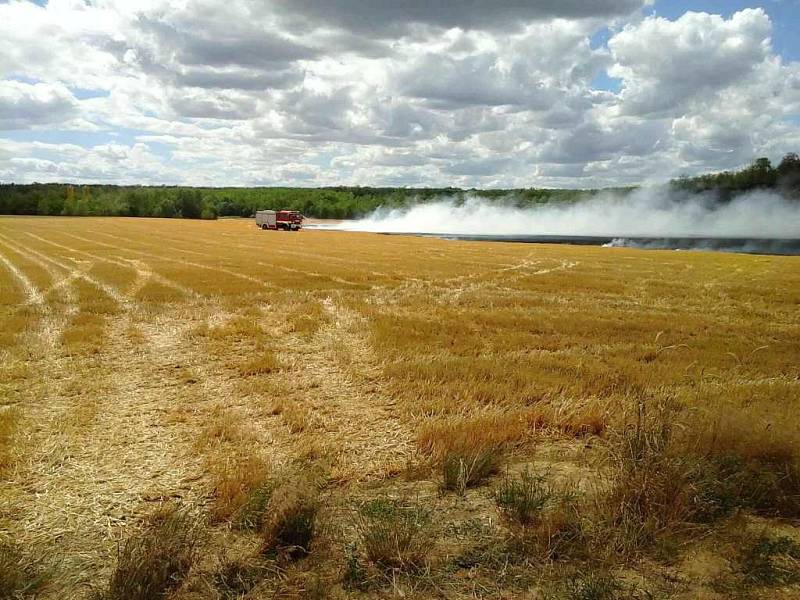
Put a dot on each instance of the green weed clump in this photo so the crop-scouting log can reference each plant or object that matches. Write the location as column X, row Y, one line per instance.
column 394, row 534
column 593, row 585
column 544, row 521
column 19, row 575
column 154, row 561
column 355, row 574
column 523, row 499
column 768, row 561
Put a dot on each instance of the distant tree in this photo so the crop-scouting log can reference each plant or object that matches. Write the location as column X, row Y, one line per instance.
column 70, row 203
column 789, row 164
column 190, row 203
column 789, row 174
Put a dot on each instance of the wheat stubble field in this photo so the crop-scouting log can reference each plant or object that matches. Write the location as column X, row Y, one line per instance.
column 329, row 414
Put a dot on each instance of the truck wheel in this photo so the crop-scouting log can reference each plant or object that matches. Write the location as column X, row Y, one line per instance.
column 264, row 226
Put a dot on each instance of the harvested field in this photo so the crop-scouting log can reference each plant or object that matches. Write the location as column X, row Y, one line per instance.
column 326, row 385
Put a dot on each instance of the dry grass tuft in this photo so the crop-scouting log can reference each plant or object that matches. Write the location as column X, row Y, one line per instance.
column 469, row 435
column 296, row 416
column 395, row 535
column 224, row 426
column 9, row 421
column 649, row 490
column 232, row 461
column 238, row 480
column 468, row 450
column 462, row 470
column 154, row 561
column 265, row 362
column 290, row 520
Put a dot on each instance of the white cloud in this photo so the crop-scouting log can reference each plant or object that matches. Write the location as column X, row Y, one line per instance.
column 386, row 93
column 664, row 65
column 24, row 105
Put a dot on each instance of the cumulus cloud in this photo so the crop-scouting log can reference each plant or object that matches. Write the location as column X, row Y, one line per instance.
column 666, row 64
column 473, row 94
column 24, row 105
column 386, row 17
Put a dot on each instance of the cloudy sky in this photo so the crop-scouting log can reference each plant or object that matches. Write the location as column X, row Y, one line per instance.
column 468, row 93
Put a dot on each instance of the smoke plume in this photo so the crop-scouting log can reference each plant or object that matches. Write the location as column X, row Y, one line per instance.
column 646, row 212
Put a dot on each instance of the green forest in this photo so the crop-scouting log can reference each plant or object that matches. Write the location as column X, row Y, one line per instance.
column 340, row 202
column 760, row 174
column 210, row 203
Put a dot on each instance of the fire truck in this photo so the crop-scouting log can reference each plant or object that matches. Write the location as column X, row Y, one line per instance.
column 288, row 220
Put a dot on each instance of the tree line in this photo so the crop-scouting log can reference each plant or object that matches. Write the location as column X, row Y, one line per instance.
column 760, row 174
column 210, row 203
column 340, row 202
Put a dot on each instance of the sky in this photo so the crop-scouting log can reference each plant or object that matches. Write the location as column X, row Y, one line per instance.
column 463, row 93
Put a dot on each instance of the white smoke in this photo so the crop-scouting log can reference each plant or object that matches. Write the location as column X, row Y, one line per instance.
column 646, row 212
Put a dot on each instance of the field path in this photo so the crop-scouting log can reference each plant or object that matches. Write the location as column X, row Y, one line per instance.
column 362, row 428
column 103, row 458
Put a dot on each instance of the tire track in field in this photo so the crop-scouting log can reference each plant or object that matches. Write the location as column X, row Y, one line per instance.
column 278, row 251
column 143, row 271
column 61, row 283
column 32, row 293
column 363, row 430
column 94, row 483
column 256, row 262
column 48, row 327
column 178, row 261
column 31, row 254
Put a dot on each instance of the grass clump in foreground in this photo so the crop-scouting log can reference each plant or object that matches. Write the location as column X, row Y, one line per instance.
column 667, row 471
column 469, row 468
column 649, row 489
column 767, row 561
column 395, row 535
column 593, row 585
column 154, row 561
column 752, row 463
column 522, row 499
column 544, row 521
column 19, row 576
column 236, row 578
column 289, row 523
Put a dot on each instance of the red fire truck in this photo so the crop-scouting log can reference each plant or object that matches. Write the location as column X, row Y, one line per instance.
column 289, row 220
